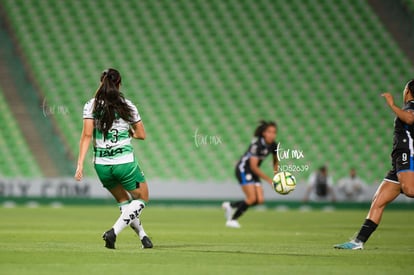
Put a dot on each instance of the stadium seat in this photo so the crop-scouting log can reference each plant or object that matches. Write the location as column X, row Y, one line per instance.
column 220, row 67
column 17, row 160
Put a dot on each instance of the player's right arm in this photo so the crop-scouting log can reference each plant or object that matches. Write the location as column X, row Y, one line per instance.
column 85, row 140
column 407, row 116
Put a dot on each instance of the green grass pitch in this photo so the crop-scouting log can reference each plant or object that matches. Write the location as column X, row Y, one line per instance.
column 194, row 241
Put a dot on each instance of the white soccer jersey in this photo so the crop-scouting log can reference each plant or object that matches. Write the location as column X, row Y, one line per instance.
column 116, row 148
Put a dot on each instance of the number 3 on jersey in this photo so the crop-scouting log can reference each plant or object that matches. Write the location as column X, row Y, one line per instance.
column 115, row 135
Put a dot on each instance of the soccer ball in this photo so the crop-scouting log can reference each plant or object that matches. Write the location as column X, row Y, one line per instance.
column 284, row 183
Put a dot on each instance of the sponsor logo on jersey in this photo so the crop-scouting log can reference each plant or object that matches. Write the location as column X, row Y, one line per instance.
column 103, row 153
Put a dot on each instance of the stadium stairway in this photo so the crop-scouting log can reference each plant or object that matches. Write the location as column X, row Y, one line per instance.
column 398, row 18
column 30, row 146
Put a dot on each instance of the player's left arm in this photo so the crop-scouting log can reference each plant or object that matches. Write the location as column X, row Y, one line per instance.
column 275, row 164
column 254, row 166
column 407, row 116
column 137, row 130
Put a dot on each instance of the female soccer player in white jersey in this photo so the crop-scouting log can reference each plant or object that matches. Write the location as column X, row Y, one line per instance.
column 400, row 179
column 111, row 120
column 248, row 172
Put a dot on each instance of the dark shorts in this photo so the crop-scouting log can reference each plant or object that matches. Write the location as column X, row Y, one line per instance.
column 402, row 161
column 246, row 176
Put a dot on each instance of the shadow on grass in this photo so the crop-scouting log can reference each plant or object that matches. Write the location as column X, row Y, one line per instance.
column 190, row 248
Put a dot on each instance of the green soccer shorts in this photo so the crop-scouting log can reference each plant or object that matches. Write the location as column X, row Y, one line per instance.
column 129, row 175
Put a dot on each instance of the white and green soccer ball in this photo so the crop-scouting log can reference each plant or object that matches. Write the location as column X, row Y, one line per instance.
column 284, row 183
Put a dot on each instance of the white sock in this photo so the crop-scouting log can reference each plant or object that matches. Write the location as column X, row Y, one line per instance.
column 129, row 213
column 123, row 205
column 136, row 224
column 138, row 228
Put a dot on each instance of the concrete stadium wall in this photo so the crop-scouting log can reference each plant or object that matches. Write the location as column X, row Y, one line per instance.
column 159, row 189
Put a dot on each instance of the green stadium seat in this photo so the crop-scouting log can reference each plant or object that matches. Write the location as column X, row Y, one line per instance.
column 17, row 160
column 220, row 67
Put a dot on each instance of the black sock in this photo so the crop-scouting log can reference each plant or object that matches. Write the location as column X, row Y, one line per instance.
column 236, row 204
column 240, row 210
column 366, row 230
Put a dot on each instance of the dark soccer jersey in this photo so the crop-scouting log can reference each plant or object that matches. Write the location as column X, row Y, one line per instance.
column 258, row 148
column 403, row 133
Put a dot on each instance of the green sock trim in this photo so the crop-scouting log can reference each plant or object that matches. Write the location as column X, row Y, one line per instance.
column 128, row 202
column 143, row 202
column 123, row 203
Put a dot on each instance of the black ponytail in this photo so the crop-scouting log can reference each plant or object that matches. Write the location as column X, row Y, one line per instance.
column 110, row 103
column 410, row 86
column 263, row 125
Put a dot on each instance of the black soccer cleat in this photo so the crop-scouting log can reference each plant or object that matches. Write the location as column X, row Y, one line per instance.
column 146, row 242
column 109, row 238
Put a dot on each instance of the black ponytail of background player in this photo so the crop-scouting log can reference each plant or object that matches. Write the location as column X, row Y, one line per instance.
column 263, row 125
column 410, row 86
column 109, row 102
